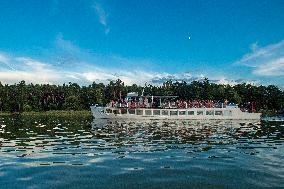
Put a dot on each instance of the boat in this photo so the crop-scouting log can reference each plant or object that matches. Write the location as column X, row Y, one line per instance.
column 137, row 107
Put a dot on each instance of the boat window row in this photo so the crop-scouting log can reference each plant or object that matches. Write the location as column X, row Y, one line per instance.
column 150, row 112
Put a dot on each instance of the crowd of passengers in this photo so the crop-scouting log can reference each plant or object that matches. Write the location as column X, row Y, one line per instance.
column 168, row 104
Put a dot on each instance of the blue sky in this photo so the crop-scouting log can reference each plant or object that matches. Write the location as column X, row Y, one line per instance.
column 59, row 41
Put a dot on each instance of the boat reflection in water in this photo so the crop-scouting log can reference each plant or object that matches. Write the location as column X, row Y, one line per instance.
column 150, row 133
column 37, row 151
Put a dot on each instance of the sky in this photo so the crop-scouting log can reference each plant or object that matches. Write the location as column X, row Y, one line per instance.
column 82, row 41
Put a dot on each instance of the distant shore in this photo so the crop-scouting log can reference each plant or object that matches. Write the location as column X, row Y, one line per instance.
column 53, row 113
column 24, row 97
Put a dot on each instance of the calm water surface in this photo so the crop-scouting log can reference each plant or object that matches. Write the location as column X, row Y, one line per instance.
column 41, row 152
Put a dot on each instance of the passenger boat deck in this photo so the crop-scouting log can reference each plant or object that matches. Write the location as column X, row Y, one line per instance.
column 161, row 112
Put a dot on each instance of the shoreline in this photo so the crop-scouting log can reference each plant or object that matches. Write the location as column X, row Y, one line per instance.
column 55, row 113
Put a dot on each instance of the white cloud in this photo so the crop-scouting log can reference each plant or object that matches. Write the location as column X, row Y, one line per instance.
column 66, row 45
column 3, row 58
column 70, row 56
column 254, row 46
column 67, row 62
column 29, row 77
column 36, row 71
column 33, row 65
column 30, row 70
column 102, row 15
column 272, row 68
column 226, row 81
column 265, row 61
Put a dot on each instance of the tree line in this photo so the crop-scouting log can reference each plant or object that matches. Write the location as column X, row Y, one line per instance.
column 44, row 97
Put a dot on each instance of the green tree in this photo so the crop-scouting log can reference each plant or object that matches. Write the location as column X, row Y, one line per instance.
column 72, row 103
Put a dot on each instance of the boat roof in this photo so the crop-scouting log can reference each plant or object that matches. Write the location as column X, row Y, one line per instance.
column 135, row 94
column 132, row 94
column 150, row 96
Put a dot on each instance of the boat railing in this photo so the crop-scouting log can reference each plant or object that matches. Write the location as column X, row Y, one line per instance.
column 151, row 106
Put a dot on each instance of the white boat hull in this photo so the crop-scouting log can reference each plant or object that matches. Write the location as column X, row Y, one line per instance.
column 173, row 114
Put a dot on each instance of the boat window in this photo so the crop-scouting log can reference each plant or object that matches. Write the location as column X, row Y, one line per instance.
column 174, row 112
column 165, row 112
column 182, row 112
column 190, row 112
column 131, row 111
column 156, row 112
column 148, row 112
column 228, row 113
column 139, row 112
column 123, row 111
column 199, row 112
column 210, row 112
column 116, row 111
column 218, row 113
column 108, row 111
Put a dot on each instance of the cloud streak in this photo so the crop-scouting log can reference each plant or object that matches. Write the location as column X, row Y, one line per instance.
column 102, row 16
column 265, row 61
column 4, row 60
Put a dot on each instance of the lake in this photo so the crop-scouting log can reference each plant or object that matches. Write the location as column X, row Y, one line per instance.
column 49, row 152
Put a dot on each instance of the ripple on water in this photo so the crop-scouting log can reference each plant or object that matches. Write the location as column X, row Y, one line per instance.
column 188, row 153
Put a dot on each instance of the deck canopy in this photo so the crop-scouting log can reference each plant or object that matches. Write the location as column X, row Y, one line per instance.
column 132, row 94
column 152, row 98
column 149, row 96
column 160, row 97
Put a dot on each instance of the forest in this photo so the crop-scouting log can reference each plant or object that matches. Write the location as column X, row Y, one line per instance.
column 22, row 97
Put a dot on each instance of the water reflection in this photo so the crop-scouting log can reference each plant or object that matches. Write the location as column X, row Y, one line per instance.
column 169, row 154
column 54, row 141
column 189, row 137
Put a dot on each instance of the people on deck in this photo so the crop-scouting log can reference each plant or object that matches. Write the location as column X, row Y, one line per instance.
column 181, row 104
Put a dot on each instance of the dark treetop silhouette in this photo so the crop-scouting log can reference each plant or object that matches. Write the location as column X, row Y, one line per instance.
column 34, row 97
